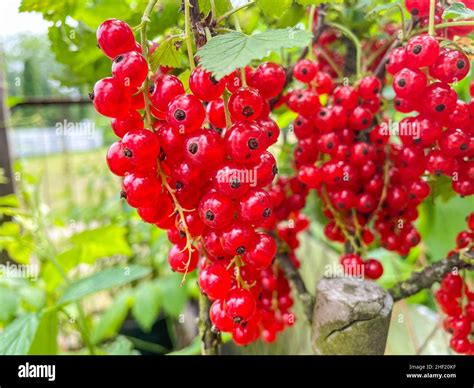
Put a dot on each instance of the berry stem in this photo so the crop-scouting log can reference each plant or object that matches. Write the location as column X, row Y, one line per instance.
column 213, row 8
column 431, row 22
column 188, row 33
column 312, row 12
column 210, row 340
column 180, row 210
column 144, row 43
column 220, row 19
column 356, row 42
column 228, row 121
column 242, row 69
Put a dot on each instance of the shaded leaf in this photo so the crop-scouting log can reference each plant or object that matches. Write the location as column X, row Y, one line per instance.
column 103, row 280
column 224, row 53
column 458, row 11
column 19, row 335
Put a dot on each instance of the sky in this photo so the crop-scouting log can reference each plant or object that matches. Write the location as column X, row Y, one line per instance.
column 13, row 22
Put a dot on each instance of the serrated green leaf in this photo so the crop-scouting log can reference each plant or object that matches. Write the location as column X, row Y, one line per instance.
column 19, row 335
column 103, row 280
column 168, row 53
column 9, row 303
column 45, row 341
column 274, row 8
column 147, row 305
column 224, row 53
column 458, row 11
column 112, row 319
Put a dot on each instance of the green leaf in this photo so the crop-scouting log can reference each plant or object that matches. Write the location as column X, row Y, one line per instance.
column 375, row 11
column 274, row 8
column 19, row 335
column 458, row 11
column 45, row 341
column 112, row 319
column 173, row 296
column 9, row 200
column 446, row 220
column 193, row 349
column 121, row 346
column 184, row 78
column 103, row 280
column 317, row 2
column 147, row 304
column 168, row 53
column 9, row 303
column 224, row 53
column 222, row 6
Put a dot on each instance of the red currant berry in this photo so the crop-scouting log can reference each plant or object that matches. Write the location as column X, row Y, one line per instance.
column 111, row 98
column 305, row 70
column 204, row 85
column 216, row 210
column 373, row 269
column 186, row 113
column 215, row 281
column 422, row 50
column 181, row 260
column 116, row 160
column 165, row 89
column 131, row 69
column 245, row 104
column 115, row 37
column 269, row 79
column 240, row 305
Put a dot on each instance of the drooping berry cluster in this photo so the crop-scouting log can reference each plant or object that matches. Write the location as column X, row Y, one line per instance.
column 422, row 76
column 202, row 172
column 456, row 299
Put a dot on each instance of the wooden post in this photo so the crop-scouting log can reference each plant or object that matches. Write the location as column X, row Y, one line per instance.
column 351, row 317
column 5, row 161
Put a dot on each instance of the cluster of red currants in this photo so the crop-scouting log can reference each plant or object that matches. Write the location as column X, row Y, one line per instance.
column 423, row 72
column 289, row 197
column 457, row 301
column 206, row 185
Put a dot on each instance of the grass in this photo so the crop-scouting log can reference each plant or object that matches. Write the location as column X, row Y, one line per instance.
column 69, row 179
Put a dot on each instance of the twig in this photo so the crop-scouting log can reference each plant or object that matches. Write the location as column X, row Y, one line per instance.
column 210, row 339
column 298, row 283
column 428, row 276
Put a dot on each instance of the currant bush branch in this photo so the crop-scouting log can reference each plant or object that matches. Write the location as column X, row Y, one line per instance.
column 430, row 275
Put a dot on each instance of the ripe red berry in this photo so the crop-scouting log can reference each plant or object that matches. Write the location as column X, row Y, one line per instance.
column 419, row 8
column 305, row 70
column 422, row 50
column 264, row 252
column 141, row 190
column 116, row 160
column 346, row 96
column 245, row 104
column 373, row 269
column 204, row 149
column 141, row 147
column 245, row 142
column 115, row 37
column 219, row 318
column 269, row 79
column 440, row 100
column 216, row 113
column 181, row 260
column 132, row 121
column 255, row 207
column 450, row 66
column 237, row 239
column 216, row 210
column 111, row 98
column 369, row 87
column 397, row 60
column 204, row 85
column 131, row 69
column 186, row 113
column 215, row 281
column 240, row 305
column 409, row 83
column 165, row 89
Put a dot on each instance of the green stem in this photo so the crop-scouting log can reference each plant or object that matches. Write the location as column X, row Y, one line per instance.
column 228, row 121
column 144, row 43
column 431, row 23
column 213, row 8
column 402, row 14
column 356, row 42
column 189, row 38
column 242, row 70
column 232, row 11
column 445, row 25
column 312, row 11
